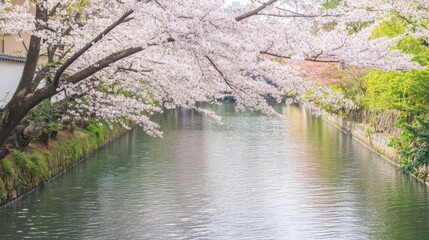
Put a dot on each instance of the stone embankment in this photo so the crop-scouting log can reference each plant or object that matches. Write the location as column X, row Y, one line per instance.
column 367, row 134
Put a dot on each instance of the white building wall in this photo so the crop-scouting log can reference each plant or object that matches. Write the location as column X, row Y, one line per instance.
column 10, row 74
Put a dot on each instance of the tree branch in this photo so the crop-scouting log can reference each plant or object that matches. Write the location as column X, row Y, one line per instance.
column 306, row 59
column 32, row 58
column 221, row 74
column 255, row 11
column 274, row 55
column 50, row 90
column 295, row 15
column 75, row 56
column 103, row 63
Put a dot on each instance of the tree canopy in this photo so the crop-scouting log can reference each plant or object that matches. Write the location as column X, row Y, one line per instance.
column 128, row 59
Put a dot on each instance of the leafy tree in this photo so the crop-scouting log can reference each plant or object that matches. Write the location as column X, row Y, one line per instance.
column 404, row 91
column 393, row 27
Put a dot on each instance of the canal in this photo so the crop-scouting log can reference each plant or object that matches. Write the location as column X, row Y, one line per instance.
column 253, row 177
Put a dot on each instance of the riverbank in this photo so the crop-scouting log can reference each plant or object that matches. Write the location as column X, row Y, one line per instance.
column 379, row 142
column 26, row 170
column 391, row 114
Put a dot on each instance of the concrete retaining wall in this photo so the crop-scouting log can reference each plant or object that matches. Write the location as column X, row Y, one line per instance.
column 364, row 133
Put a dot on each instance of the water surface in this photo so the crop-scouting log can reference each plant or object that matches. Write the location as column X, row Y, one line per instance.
column 254, row 177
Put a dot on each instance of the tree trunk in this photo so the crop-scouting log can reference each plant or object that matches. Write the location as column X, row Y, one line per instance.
column 15, row 112
column 10, row 117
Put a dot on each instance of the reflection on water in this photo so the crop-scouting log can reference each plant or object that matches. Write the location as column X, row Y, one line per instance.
column 254, row 177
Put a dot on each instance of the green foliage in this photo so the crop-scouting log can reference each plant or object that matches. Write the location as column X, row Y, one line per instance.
column 408, row 93
column 418, row 155
column 98, row 128
column 77, row 6
column 50, row 65
column 45, row 118
column 357, row 26
column 331, row 4
column 7, row 168
column 404, row 91
column 416, row 47
column 30, row 169
column 40, row 168
column 35, row 164
column 23, row 160
column 393, row 27
column 75, row 151
column 398, row 25
column 352, row 89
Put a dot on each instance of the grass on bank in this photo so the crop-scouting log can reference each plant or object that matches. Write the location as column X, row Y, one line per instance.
column 24, row 169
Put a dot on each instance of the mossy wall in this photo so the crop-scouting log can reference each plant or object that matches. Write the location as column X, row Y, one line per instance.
column 380, row 141
column 367, row 133
column 22, row 171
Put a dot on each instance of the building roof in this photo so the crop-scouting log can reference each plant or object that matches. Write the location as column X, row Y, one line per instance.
column 11, row 58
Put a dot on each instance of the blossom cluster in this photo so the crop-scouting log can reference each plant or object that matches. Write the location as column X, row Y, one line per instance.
column 192, row 51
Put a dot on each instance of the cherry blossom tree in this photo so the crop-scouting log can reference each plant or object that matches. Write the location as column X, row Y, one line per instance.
column 128, row 59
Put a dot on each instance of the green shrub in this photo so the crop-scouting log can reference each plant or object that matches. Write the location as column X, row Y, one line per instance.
column 23, row 160
column 8, row 168
column 98, row 128
column 45, row 119
column 418, row 155
column 40, row 168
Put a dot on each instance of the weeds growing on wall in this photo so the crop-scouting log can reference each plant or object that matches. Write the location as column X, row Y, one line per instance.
column 23, row 170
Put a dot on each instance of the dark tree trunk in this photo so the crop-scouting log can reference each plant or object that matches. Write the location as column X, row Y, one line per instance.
column 22, row 100
column 10, row 118
column 15, row 113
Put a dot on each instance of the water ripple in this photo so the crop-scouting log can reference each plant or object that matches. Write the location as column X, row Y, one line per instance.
column 254, row 177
